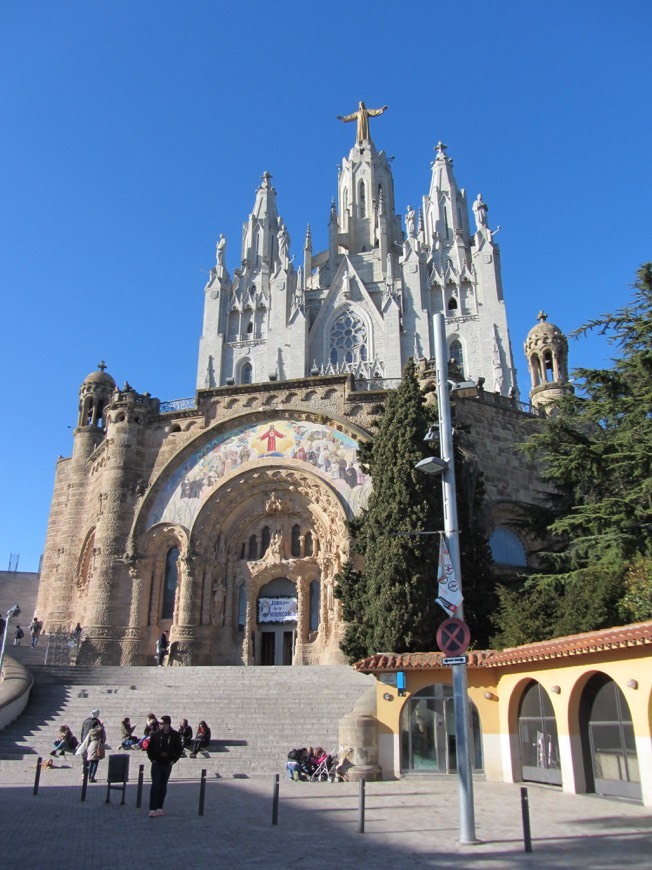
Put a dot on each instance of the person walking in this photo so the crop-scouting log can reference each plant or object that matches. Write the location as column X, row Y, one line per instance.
column 164, row 750
column 161, row 649
column 19, row 634
column 35, row 630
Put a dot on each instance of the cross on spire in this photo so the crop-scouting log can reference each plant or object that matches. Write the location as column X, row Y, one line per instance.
column 440, row 147
column 542, row 316
column 101, row 365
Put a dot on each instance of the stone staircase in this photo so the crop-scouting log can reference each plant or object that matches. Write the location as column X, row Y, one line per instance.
column 256, row 714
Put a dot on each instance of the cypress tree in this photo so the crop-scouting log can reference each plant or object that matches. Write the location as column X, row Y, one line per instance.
column 389, row 602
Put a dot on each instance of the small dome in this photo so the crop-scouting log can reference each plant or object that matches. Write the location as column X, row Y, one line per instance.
column 100, row 377
column 544, row 333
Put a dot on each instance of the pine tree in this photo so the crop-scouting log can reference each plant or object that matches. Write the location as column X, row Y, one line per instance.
column 389, row 604
column 596, row 450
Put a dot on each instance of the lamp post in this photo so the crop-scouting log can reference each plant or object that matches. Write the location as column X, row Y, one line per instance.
column 13, row 611
column 446, row 468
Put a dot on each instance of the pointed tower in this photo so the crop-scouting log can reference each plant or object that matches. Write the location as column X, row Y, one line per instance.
column 465, row 280
column 546, row 349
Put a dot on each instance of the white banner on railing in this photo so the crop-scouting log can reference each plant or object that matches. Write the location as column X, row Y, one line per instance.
column 277, row 609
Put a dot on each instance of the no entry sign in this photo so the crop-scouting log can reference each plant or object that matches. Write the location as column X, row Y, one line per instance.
column 453, row 637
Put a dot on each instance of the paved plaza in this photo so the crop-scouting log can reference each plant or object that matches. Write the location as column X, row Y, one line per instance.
column 410, row 823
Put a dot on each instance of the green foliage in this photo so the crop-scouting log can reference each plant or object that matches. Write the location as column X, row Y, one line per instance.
column 390, row 605
column 636, row 603
column 596, row 450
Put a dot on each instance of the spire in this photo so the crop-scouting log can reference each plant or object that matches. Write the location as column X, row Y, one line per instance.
column 446, row 208
column 308, row 243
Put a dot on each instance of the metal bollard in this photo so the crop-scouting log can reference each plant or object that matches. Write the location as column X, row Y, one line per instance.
column 37, row 775
column 525, row 812
column 202, row 792
column 139, row 792
column 275, row 800
column 361, row 800
column 84, row 782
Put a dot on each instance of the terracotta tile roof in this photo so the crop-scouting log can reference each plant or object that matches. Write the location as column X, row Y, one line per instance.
column 638, row 634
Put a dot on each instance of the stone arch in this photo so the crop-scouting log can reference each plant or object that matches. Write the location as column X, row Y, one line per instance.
column 280, row 498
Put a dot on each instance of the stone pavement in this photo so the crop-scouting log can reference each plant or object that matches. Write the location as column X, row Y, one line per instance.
column 410, row 823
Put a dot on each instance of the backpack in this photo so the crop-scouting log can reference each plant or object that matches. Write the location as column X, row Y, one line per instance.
column 20, row 634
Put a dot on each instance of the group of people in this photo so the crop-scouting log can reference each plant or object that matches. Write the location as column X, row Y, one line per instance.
column 164, row 747
column 35, row 629
column 196, row 742
column 305, row 762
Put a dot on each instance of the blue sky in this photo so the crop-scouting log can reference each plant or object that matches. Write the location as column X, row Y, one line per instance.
column 135, row 132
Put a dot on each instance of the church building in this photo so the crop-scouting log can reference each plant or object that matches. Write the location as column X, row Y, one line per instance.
column 222, row 520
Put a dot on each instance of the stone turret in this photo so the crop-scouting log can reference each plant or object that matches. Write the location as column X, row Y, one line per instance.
column 546, row 349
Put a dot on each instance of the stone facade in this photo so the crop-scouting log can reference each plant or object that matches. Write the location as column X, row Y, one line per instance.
column 222, row 519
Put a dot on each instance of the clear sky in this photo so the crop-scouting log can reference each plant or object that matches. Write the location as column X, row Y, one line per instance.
column 133, row 133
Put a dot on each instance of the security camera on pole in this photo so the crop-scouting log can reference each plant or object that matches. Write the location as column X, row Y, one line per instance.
column 11, row 613
column 446, row 468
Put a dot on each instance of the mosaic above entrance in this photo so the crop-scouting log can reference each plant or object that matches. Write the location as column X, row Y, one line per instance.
column 330, row 454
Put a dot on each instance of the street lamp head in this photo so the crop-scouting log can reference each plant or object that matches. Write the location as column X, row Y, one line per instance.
column 432, row 434
column 13, row 611
column 432, row 465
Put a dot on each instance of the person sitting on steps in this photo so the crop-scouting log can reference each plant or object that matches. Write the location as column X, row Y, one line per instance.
column 202, row 738
column 66, row 742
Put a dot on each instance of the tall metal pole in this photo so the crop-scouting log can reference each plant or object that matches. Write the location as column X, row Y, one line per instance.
column 451, row 531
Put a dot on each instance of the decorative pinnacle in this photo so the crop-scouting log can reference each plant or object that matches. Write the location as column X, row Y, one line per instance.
column 308, row 242
column 542, row 316
column 266, row 177
column 101, row 365
column 441, row 148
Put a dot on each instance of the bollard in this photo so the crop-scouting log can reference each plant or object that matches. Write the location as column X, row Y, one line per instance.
column 361, row 796
column 139, row 792
column 37, row 775
column 84, row 782
column 275, row 800
column 202, row 792
column 525, row 812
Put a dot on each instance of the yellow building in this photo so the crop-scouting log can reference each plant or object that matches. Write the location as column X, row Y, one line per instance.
column 572, row 712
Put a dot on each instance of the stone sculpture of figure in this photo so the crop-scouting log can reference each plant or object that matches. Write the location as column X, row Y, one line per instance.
column 275, row 550
column 480, row 210
column 283, row 245
column 411, row 222
column 362, row 117
column 219, row 595
column 220, row 251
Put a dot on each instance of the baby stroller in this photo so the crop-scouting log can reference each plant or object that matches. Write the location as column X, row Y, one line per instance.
column 326, row 768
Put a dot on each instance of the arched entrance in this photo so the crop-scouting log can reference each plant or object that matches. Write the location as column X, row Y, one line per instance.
column 276, row 622
column 428, row 732
column 608, row 742
column 537, row 731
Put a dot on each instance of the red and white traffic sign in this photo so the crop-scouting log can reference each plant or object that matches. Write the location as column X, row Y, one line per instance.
column 453, row 636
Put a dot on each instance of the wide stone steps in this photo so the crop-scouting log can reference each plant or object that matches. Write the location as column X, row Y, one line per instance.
column 256, row 713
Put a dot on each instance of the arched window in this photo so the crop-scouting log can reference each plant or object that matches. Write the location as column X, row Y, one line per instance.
column 548, row 367
column 537, row 729
column 309, row 547
column 362, row 199
column 243, row 551
column 507, row 549
column 455, row 353
column 608, row 740
column 242, row 607
column 452, row 304
column 428, row 731
column 349, row 340
column 265, row 538
column 246, row 372
column 170, row 583
column 535, row 365
column 253, row 548
column 296, row 543
column 314, row 604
